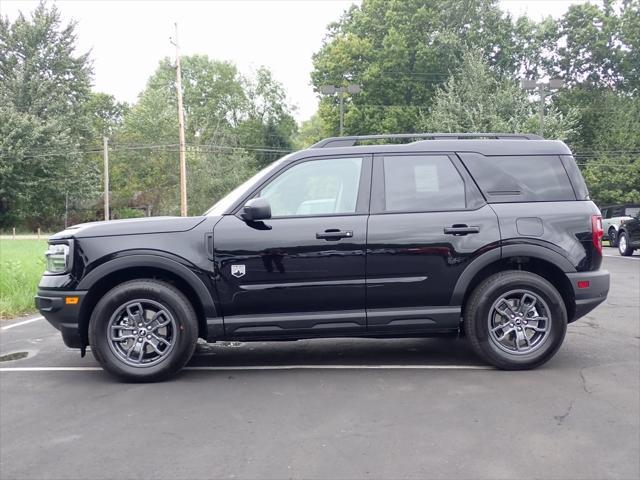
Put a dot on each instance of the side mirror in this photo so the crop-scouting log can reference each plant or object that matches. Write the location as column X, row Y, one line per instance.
column 256, row 209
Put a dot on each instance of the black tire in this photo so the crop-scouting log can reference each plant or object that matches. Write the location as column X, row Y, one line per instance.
column 613, row 237
column 623, row 245
column 479, row 312
column 182, row 330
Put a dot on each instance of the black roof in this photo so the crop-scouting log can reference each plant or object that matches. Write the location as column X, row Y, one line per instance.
column 483, row 143
column 350, row 141
column 623, row 205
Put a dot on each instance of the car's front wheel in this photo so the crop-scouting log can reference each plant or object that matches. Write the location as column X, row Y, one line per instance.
column 515, row 320
column 143, row 330
column 623, row 245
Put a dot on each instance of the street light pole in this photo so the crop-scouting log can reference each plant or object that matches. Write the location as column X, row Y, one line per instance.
column 105, row 154
column 554, row 83
column 542, row 95
column 341, row 112
column 351, row 88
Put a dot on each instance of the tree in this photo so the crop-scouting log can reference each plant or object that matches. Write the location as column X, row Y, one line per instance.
column 630, row 37
column 475, row 99
column 589, row 46
column 44, row 85
column 310, row 132
column 267, row 124
column 611, row 161
column 234, row 124
column 106, row 114
column 148, row 170
column 400, row 51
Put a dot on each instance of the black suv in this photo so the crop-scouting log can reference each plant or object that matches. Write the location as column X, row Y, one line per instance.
column 629, row 235
column 490, row 235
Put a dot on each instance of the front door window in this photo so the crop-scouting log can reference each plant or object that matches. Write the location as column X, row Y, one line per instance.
column 316, row 187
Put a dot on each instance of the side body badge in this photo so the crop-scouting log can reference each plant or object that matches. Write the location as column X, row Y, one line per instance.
column 238, row 270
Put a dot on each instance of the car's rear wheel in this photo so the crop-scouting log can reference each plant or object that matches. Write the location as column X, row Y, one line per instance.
column 613, row 237
column 515, row 320
column 623, row 245
column 143, row 330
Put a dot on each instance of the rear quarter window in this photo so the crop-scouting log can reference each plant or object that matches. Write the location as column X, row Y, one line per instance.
column 631, row 211
column 579, row 185
column 523, row 178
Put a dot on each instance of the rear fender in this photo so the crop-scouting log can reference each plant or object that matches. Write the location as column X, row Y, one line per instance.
column 508, row 251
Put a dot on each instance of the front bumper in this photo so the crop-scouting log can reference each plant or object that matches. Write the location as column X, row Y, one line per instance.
column 63, row 316
column 589, row 297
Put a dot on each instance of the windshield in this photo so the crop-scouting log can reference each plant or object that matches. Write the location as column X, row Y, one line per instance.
column 222, row 205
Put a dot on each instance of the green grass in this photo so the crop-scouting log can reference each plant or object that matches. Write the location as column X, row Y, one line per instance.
column 21, row 266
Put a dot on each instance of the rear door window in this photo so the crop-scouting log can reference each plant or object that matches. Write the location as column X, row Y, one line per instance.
column 520, row 178
column 618, row 212
column 422, row 183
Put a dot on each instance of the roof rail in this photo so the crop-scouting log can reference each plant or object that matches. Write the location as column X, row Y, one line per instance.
column 352, row 140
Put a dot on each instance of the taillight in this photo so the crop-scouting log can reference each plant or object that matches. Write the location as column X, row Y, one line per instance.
column 597, row 232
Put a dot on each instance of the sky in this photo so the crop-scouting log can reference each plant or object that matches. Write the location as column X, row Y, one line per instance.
column 127, row 38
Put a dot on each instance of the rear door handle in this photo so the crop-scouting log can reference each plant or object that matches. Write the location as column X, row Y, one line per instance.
column 334, row 234
column 461, row 229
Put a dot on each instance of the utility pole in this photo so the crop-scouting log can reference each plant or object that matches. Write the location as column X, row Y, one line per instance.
column 105, row 145
column 351, row 88
column 182, row 147
column 66, row 208
column 542, row 99
column 341, row 111
column 554, row 83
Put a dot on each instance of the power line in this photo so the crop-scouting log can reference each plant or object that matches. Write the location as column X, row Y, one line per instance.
column 38, row 152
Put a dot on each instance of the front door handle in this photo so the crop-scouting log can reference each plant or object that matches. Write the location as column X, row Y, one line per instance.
column 461, row 229
column 334, row 234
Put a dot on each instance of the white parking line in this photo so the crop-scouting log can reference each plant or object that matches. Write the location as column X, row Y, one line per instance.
column 269, row 367
column 31, row 320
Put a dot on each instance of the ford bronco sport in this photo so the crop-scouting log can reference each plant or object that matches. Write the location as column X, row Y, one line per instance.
column 629, row 235
column 490, row 235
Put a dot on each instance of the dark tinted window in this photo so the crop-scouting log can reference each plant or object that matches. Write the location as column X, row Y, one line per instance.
column 422, row 183
column 617, row 212
column 520, row 178
column 580, row 188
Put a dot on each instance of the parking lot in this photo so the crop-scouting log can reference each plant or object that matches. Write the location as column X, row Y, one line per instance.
column 412, row 408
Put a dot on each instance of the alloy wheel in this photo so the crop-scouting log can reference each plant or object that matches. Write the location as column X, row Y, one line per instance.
column 519, row 322
column 622, row 244
column 142, row 333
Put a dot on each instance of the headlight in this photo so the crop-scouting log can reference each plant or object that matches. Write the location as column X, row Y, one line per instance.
column 57, row 258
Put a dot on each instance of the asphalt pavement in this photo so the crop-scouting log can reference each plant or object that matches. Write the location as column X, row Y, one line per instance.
column 333, row 409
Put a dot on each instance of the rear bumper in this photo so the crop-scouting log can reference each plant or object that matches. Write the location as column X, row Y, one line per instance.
column 66, row 318
column 589, row 297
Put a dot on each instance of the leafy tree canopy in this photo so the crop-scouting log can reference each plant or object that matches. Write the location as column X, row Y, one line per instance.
column 409, row 57
column 44, row 85
column 400, row 51
column 233, row 124
column 475, row 99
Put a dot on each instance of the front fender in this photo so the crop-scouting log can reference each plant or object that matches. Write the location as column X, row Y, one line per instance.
column 153, row 261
